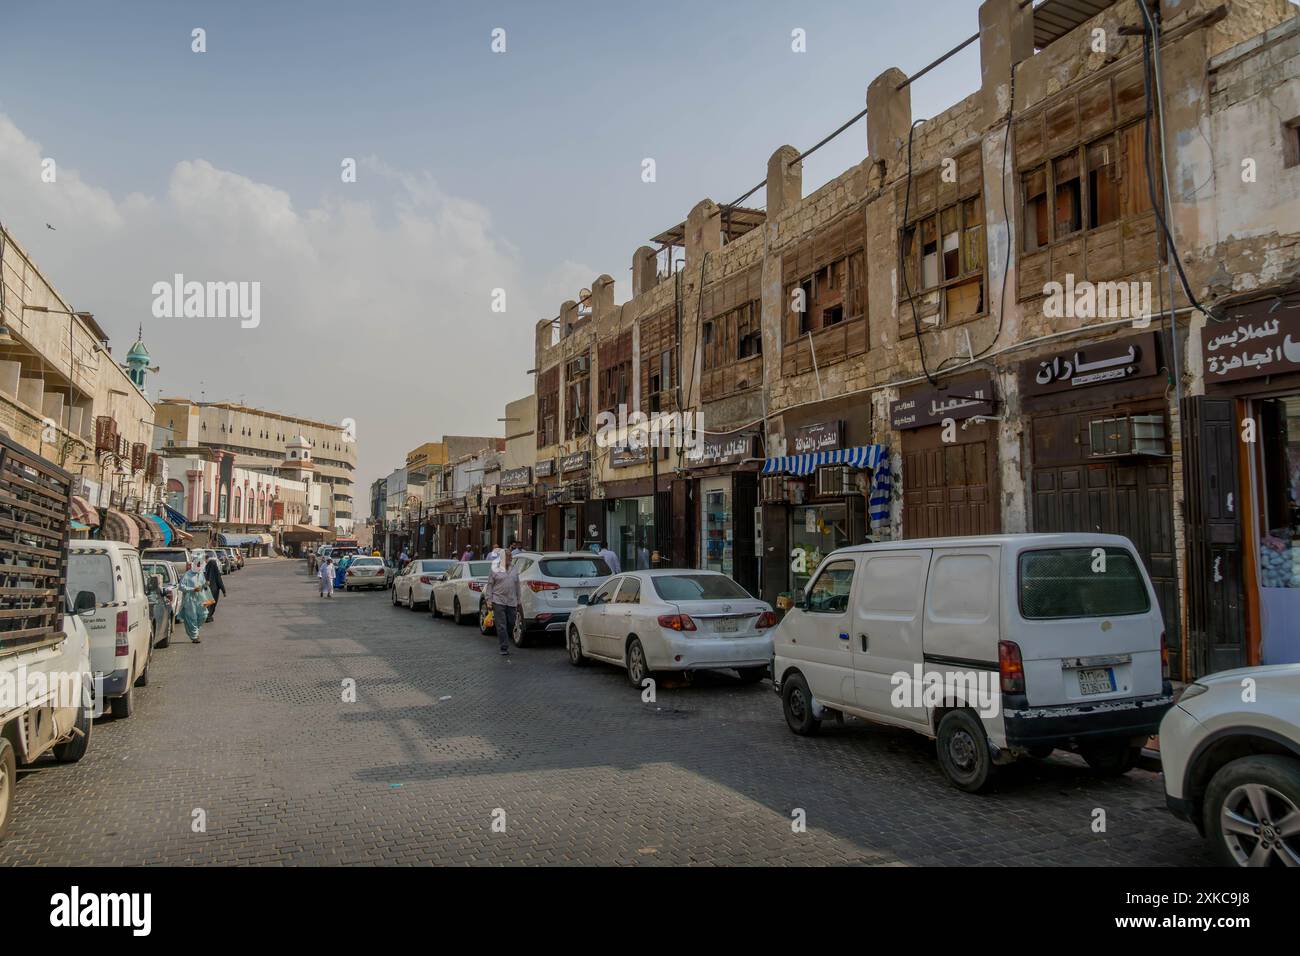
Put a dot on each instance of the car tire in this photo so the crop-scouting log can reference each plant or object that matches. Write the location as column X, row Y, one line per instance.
column 482, row 615
column 963, row 749
column 796, row 702
column 1235, row 792
column 433, row 607
column 519, row 633
column 8, row 777
column 124, row 706
column 70, row 751
column 410, row 600
column 1112, row 760
column 455, row 611
column 751, row 675
column 143, row 679
column 573, row 644
column 167, row 636
column 638, row 668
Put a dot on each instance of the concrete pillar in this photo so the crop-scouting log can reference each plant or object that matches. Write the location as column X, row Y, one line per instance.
column 9, row 375
column 568, row 316
column 645, row 274
column 703, row 231
column 602, row 298
column 1006, row 38
column 889, row 120
column 784, row 181
column 31, row 391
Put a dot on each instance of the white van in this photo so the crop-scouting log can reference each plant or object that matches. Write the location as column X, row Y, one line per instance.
column 121, row 626
column 998, row 647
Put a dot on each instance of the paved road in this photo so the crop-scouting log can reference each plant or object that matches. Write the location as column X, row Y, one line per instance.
column 251, row 729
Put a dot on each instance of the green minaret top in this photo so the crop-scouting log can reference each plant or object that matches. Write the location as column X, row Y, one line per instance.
column 137, row 360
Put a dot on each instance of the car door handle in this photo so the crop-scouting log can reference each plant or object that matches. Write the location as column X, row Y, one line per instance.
column 863, row 637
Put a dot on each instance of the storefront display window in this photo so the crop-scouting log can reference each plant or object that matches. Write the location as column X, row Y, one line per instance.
column 815, row 531
column 509, row 527
column 570, row 530
column 631, row 532
column 1279, row 527
column 717, row 540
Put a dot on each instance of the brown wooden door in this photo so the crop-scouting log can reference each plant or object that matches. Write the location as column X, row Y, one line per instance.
column 948, row 488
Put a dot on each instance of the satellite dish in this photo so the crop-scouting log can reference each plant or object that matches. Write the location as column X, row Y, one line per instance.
column 584, row 294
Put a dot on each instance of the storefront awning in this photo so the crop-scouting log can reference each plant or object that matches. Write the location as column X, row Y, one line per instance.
column 150, row 536
column 119, row 527
column 863, row 456
column 164, row 527
column 83, row 511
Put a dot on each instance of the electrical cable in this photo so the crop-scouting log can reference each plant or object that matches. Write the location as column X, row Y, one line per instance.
column 907, row 287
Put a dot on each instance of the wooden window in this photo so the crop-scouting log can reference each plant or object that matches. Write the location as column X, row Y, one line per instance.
column 615, row 372
column 658, row 363
column 548, row 402
column 577, row 383
column 1033, row 186
column 1103, row 187
column 1068, row 193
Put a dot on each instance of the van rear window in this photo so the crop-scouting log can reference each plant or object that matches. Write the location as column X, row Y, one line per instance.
column 1081, row 582
column 89, row 571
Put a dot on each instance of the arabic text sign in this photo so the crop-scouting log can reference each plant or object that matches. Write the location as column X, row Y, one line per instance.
column 1254, row 341
column 574, row 462
column 1097, row 363
column 932, row 406
column 821, row 436
column 516, row 477
column 724, row 449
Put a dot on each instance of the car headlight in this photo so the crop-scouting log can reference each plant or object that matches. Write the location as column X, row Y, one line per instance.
column 1192, row 690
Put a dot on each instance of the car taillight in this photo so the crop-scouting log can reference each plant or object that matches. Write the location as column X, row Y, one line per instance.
column 543, row 586
column 475, row 586
column 1011, row 667
column 425, row 579
column 1164, row 655
column 766, row 619
column 677, row 622
column 121, row 648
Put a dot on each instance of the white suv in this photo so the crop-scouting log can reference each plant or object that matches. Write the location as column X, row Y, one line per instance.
column 1230, row 749
column 550, row 584
column 121, row 625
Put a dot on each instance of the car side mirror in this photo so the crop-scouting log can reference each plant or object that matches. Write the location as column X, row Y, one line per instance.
column 84, row 603
column 584, row 599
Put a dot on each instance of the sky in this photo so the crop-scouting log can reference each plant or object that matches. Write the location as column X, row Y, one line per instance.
column 475, row 171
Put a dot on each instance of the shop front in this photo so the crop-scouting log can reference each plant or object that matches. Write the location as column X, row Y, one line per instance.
column 949, row 453
column 816, row 500
column 725, row 471
column 629, row 517
column 567, row 485
column 512, row 507
column 1098, row 450
column 1242, row 447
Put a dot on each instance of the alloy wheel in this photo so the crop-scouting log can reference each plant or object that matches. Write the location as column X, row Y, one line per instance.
column 1261, row 826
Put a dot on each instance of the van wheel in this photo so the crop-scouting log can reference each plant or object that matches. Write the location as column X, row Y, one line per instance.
column 797, row 702
column 574, row 647
column 1112, row 760
column 8, row 771
column 143, row 679
column 123, row 706
column 964, row 751
column 71, row 751
column 1252, row 812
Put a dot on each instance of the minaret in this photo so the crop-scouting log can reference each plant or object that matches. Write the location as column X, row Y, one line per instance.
column 137, row 361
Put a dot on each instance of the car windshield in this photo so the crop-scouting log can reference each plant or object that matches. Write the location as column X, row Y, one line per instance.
column 697, row 587
column 1081, row 582
column 91, row 571
column 480, row 569
column 575, row 566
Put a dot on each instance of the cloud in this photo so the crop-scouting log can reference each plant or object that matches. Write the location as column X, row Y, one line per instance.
column 376, row 308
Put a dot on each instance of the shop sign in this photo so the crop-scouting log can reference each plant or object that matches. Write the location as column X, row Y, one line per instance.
column 1096, row 364
column 1262, row 338
column 819, row 436
column 544, row 469
column 622, row 457
column 934, row 405
column 575, row 462
column 727, row 449
column 520, row 477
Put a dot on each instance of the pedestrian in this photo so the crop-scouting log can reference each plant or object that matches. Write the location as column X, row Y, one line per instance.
column 610, row 558
column 468, row 555
column 193, row 613
column 515, row 546
column 403, row 558
column 212, row 574
column 327, row 578
column 503, row 595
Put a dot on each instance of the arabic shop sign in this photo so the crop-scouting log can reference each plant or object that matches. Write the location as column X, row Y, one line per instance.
column 727, row 449
column 575, row 462
column 1096, row 364
column 932, row 406
column 624, row 456
column 516, row 477
column 544, row 469
column 1262, row 338
column 820, row 436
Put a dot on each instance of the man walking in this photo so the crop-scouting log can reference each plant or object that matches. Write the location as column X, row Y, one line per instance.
column 503, row 595
column 610, row 558
column 327, row 578
column 212, row 574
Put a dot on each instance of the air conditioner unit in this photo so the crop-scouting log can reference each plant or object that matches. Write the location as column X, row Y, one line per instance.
column 1128, row 435
column 835, row 482
column 779, row 489
column 582, row 363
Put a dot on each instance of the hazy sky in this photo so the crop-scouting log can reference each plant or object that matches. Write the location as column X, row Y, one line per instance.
column 476, row 171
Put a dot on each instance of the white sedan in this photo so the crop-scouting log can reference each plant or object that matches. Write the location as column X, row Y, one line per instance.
column 460, row 593
column 414, row 583
column 673, row 620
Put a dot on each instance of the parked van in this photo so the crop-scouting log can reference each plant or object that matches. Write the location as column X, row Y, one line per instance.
column 121, row 631
column 997, row 647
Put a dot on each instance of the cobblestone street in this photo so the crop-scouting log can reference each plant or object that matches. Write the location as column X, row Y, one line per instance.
column 250, row 728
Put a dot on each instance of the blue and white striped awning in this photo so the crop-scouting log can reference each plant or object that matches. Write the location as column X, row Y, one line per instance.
column 863, row 456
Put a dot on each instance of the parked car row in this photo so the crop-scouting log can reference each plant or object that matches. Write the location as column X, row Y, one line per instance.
column 999, row 648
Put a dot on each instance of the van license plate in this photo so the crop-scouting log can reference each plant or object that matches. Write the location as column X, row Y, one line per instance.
column 1097, row 680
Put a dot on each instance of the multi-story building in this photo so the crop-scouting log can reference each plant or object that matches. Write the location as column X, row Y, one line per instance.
column 981, row 327
column 257, row 439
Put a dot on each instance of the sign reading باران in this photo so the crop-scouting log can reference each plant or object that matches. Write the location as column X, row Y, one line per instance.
column 932, row 406
column 1262, row 338
column 1099, row 363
